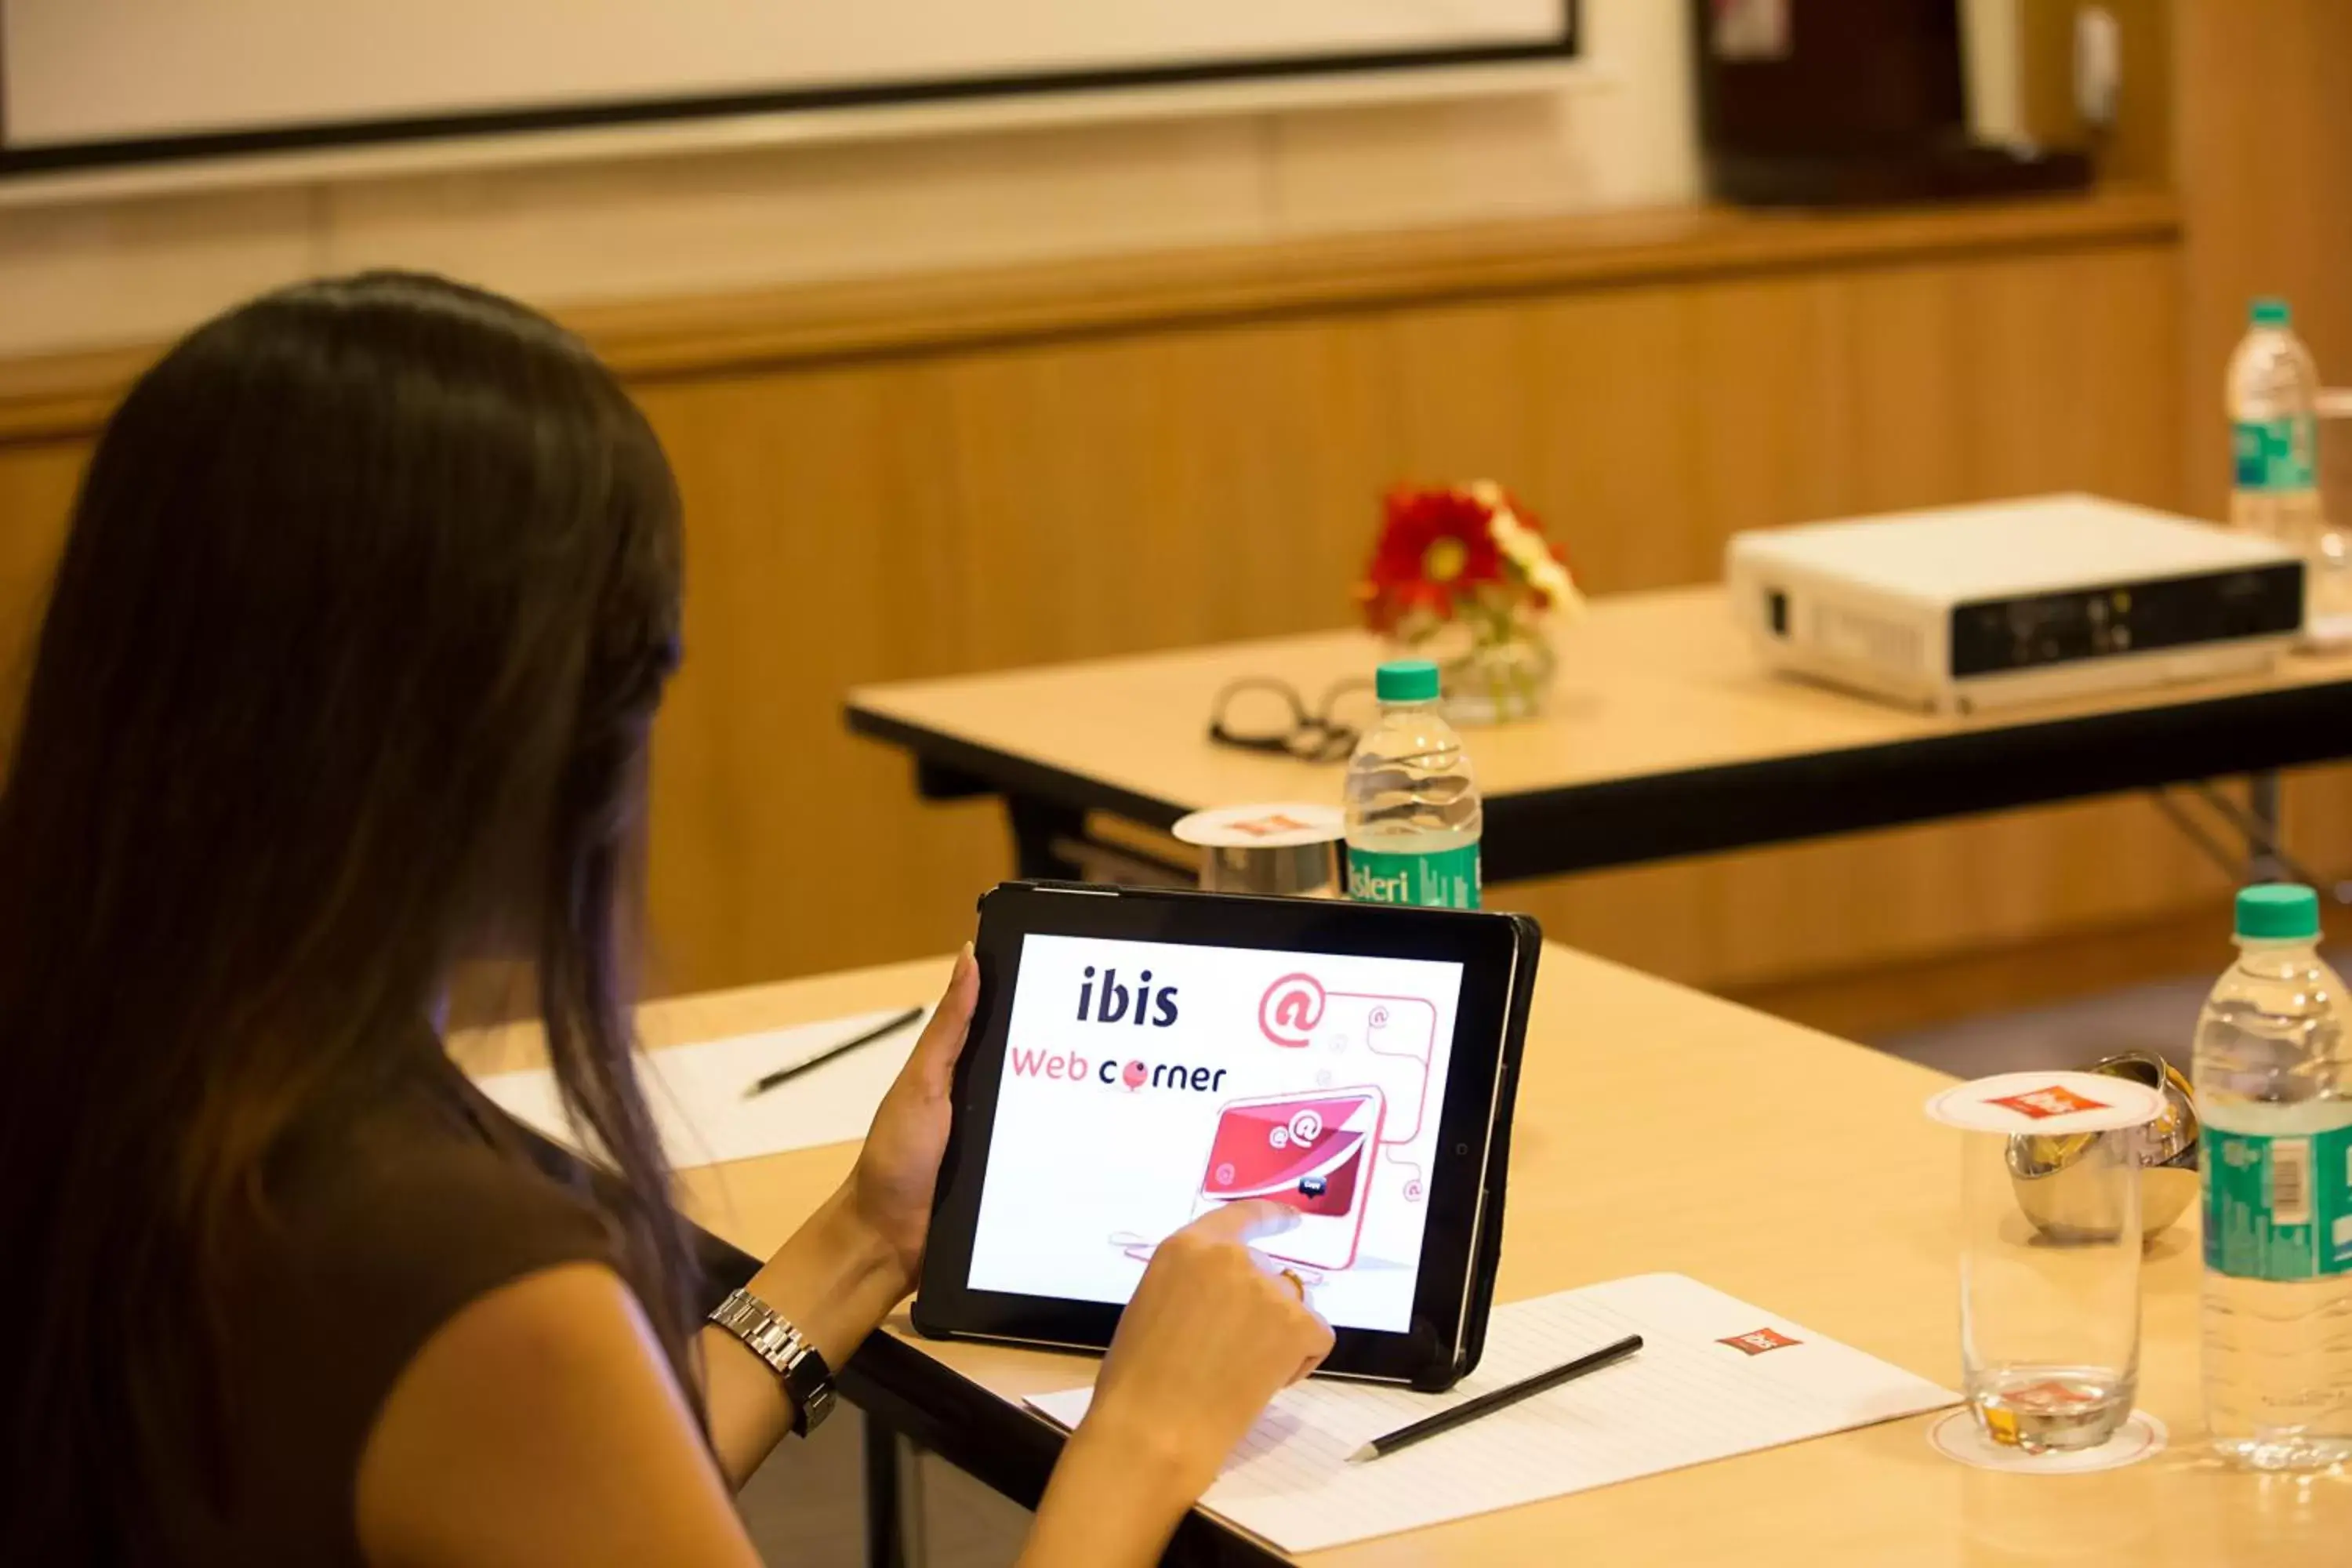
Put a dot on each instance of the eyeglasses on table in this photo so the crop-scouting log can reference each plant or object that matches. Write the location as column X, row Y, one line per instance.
column 1264, row 713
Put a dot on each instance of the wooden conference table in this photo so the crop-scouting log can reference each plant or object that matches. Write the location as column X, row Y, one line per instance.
column 1658, row 1128
column 1666, row 738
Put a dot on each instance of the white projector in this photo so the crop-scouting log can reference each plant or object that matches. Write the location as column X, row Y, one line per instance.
column 1968, row 608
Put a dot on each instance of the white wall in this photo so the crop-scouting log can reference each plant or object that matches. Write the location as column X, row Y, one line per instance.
column 136, row 269
column 82, row 70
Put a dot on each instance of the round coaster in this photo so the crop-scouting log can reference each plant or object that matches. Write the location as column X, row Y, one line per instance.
column 1288, row 825
column 2045, row 1104
column 1957, row 1436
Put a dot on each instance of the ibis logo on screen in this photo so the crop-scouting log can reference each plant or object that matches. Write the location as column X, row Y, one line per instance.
column 1108, row 1000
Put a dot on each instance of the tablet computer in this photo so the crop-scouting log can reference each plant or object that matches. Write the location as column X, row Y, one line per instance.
column 1140, row 1058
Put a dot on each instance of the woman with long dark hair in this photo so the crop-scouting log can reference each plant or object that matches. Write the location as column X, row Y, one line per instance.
column 345, row 679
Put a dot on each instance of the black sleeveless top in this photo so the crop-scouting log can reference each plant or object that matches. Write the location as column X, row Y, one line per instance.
column 389, row 1221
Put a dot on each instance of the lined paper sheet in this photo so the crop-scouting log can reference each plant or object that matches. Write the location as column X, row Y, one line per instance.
column 697, row 1091
column 1686, row 1398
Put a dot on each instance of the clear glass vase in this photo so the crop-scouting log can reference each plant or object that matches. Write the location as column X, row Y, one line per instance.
column 1491, row 678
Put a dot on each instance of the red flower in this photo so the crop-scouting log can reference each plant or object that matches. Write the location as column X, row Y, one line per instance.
column 1434, row 545
column 1413, row 538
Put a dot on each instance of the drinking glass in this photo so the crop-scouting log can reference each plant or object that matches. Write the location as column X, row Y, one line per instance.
column 1290, row 850
column 2331, row 557
column 2049, row 1253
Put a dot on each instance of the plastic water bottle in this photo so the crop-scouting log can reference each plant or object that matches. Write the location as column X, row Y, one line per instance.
column 2273, row 1083
column 2273, row 396
column 1414, row 815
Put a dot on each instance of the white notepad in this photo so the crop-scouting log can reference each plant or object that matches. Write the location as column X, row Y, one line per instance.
column 697, row 1091
column 1692, row 1395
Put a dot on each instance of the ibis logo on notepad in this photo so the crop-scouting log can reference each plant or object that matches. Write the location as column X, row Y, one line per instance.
column 1757, row 1342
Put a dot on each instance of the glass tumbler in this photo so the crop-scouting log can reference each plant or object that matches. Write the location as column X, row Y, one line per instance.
column 1290, row 850
column 2330, row 558
column 2050, row 1252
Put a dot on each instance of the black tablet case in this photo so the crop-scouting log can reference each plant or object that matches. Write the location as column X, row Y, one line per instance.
column 1489, row 1257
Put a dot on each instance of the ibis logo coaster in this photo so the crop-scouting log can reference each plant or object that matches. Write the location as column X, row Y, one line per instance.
column 2049, row 1394
column 2055, row 1100
column 1756, row 1341
column 1263, row 826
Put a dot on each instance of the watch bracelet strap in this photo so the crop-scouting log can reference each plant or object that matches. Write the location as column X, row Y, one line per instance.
column 798, row 1365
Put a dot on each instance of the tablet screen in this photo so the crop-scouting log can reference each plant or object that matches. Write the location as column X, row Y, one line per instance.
column 1146, row 1083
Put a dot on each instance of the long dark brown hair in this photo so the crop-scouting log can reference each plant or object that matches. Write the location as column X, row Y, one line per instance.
column 370, row 591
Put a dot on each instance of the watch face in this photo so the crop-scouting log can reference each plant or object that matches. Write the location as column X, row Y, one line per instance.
column 815, row 1408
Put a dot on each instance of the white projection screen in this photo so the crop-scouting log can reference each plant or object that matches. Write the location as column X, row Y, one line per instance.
column 92, row 82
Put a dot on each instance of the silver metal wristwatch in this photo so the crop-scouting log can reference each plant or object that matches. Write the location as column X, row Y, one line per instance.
column 807, row 1380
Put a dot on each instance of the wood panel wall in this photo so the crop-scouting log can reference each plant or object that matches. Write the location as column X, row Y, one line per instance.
column 976, row 509
column 2138, row 144
column 2265, row 154
column 937, row 476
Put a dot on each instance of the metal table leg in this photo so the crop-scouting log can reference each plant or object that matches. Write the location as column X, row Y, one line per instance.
column 2255, row 849
column 1037, row 824
column 2266, row 811
column 886, row 1523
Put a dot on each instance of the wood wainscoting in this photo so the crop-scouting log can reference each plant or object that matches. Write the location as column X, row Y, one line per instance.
column 920, row 477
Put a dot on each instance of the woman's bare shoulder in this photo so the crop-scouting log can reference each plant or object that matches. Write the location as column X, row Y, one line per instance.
column 541, row 1424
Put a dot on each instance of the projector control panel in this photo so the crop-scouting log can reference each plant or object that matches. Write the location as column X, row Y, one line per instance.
column 1990, row 636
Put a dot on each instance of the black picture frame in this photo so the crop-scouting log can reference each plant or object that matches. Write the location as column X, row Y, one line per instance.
column 17, row 162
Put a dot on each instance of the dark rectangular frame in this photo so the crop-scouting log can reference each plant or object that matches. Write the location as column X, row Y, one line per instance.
column 360, row 132
column 1497, row 954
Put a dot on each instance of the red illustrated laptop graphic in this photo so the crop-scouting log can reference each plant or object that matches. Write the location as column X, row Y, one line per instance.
column 1312, row 1152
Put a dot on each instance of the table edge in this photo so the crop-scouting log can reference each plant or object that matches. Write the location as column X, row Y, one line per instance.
column 1556, row 830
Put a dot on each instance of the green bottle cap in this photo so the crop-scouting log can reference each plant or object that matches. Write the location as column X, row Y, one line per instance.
column 2278, row 911
column 2270, row 312
column 1407, row 680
